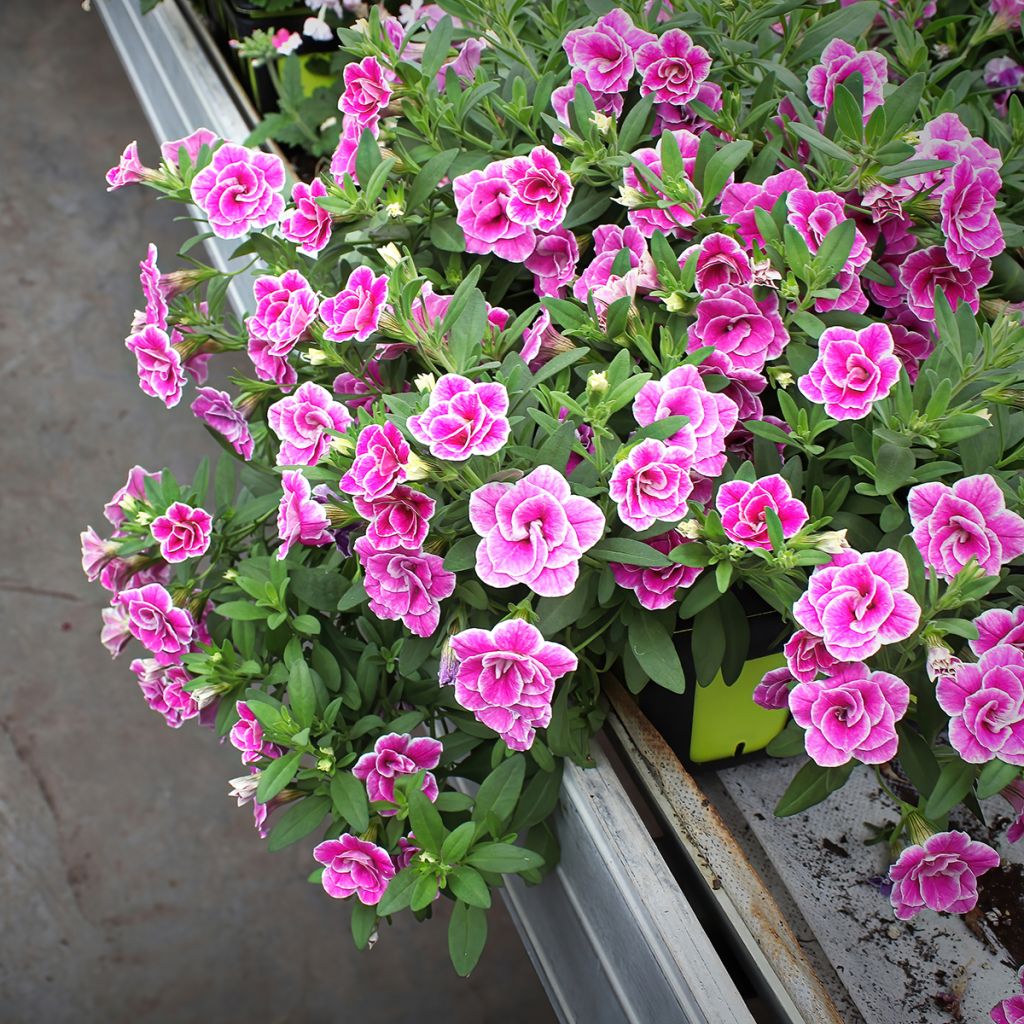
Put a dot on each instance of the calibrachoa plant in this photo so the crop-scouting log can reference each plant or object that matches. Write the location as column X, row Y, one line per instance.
column 596, row 328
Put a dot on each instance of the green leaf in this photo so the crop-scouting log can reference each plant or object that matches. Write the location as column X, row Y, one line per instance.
column 848, row 113
column 655, row 652
column 277, row 775
column 467, row 935
column 244, row 610
column 398, row 893
column 818, row 142
column 811, row 785
column 500, row 791
column 456, row 844
column 720, row 166
column 462, row 554
column 708, row 643
column 788, row 743
column 848, row 24
column 368, row 157
column 902, row 104
column 468, row 330
column 893, row 466
column 307, row 625
column 953, row 784
column 426, row 823
column 348, row 795
column 426, row 181
column 629, row 552
column 994, row 776
column 301, row 693
column 704, row 592
column 466, row 884
column 423, row 892
column 502, row 858
column 298, row 821
column 446, row 235
column 835, row 249
column 539, row 799
column 917, row 759
column 364, row 920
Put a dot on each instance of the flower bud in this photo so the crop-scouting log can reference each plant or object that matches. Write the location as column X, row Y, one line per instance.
column 630, row 197
column 690, row 529
column 832, row 542
column 391, row 255
column 343, row 445
column 244, row 787
column 425, row 383
column 597, row 383
column 674, row 302
column 416, row 468
column 939, row 660
column 205, row 695
column 602, row 122
column 394, row 209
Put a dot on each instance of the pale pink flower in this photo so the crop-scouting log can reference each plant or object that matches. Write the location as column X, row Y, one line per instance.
column 735, row 324
column 772, row 693
column 1007, row 14
column 163, row 629
column 394, row 755
column 839, row 60
column 300, row 518
column 506, row 677
column 302, row 422
column 354, row 313
column 969, row 520
column 354, row 866
column 382, row 455
column 534, row 531
column 115, row 632
column 553, row 261
column 465, row 64
column 183, row 532
column 657, row 586
column 858, row 602
column 159, row 364
column 998, row 626
column 652, row 483
column 463, row 419
column 941, row 874
column 152, row 291
column 192, row 144
column 308, row 224
column 743, row 507
column 240, row 191
column 807, row 657
column 400, row 519
column 96, row 553
column 134, row 489
column 405, row 585
column 217, row 411
column 1003, row 73
column 740, row 199
column 672, row 68
column 605, row 52
column 609, row 241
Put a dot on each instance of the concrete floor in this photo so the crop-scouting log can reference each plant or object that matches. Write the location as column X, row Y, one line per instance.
column 132, row 888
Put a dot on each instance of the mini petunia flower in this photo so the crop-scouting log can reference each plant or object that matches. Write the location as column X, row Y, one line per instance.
column 302, row 420
column 1007, row 14
column 381, row 461
column 1014, row 795
column 858, row 602
column 115, row 634
column 672, row 68
column 553, row 261
column 969, row 520
column 133, row 489
column 741, row 199
column 985, row 702
column 300, row 518
column 192, row 144
column 851, row 713
column 541, row 190
column 1004, row 73
column 183, row 532
column 285, row 42
column 772, row 693
column 308, row 225
column 354, row 313
column 941, row 874
column 463, row 419
column 946, row 138
column 927, row 269
column 743, row 507
column 605, row 52
column 673, row 218
column 247, row 736
column 159, row 364
column 405, row 585
column 163, row 687
column 285, row 307
column 240, row 190
column 998, row 626
column 735, row 324
column 367, row 91
column 534, row 531
column 218, row 412
column 152, row 290
column 609, row 241
column 506, row 677
column 354, row 866
column 657, row 586
column 854, row 369
column 806, row 656
column 840, row 60
column 721, row 262
column 1011, row 1009
column 96, row 553
column 483, row 200
column 394, row 755
column 400, row 519
column 816, row 214
column 968, row 210
column 407, row 850
column 652, row 483
column 129, row 169
column 343, row 160
column 163, row 629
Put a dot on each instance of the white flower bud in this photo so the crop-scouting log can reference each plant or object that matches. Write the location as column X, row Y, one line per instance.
column 391, row 255
column 832, row 542
column 425, row 383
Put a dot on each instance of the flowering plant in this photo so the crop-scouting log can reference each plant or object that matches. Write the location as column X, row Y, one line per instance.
column 596, row 327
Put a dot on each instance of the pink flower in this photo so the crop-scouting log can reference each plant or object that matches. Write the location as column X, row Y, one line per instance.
column 985, row 702
column 240, row 191
column 927, row 269
column 285, row 307
column 605, row 52
column 668, row 117
column 839, row 60
column 192, row 144
column 407, row 850
column 302, row 420
column 553, row 261
column 941, row 874
column 815, row 214
column 672, row 68
column 673, row 219
column 115, row 633
column 343, row 160
column 652, row 484
column 740, row 199
column 656, row 586
column 534, row 532
column 159, row 365
column 721, row 261
column 129, row 169
column 360, row 392
column 354, row 866
column 247, row 736
column 1004, row 73
column 743, row 506
column 397, row 520
column 506, row 677
column 999, row 626
column 96, row 553
column 913, row 342
column 1014, row 795
column 164, row 630
column 609, row 241
column 857, row 603
column 1007, row 14
column 854, row 369
column 463, row 419
column 163, row 687
column 946, row 138
column 366, row 92
column 806, row 656
column 968, row 208
column 382, row 455
column 681, row 392
column 285, row 42
column 1010, row 1010
column 354, row 313
column 300, row 519
column 134, row 488
column 541, row 190
column 772, row 693
column 850, row 714
column 152, row 292
column 735, row 324
column 217, row 411
column 969, row 520
column 406, row 585
column 610, row 103
column 398, row 754
column 183, row 532
column 465, row 64
column 308, row 224
column 483, row 200
column 743, row 386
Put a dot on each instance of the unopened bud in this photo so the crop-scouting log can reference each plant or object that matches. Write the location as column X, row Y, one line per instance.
column 394, row 209
column 597, row 382
column 391, row 255
column 425, row 383
column 630, row 197
column 832, row 542
column 343, row 445
column 316, row 356
column 602, row 122
column 690, row 529
column 674, row 302
column 244, row 787
column 782, row 378
column 416, row 468
column 205, row 695
column 939, row 661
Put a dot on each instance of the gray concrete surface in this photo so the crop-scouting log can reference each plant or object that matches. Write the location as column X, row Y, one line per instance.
column 131, row 887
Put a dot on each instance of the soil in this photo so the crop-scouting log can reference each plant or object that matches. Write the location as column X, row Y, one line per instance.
column 998, row 919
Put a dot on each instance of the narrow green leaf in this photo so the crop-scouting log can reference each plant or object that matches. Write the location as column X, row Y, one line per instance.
column 277, row 775
column 348, row 795
column 467, row 935
column 953, row 784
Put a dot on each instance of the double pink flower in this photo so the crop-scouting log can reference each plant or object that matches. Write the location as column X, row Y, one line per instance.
column 652, row 483
column 463, row 419
column 354, row 867
column 240, row 190
column 183, row 532
column 743, row 506
column 354, row 313
column 165, row 630
column 394, row 755
column 300, row 518
column 302, row 421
